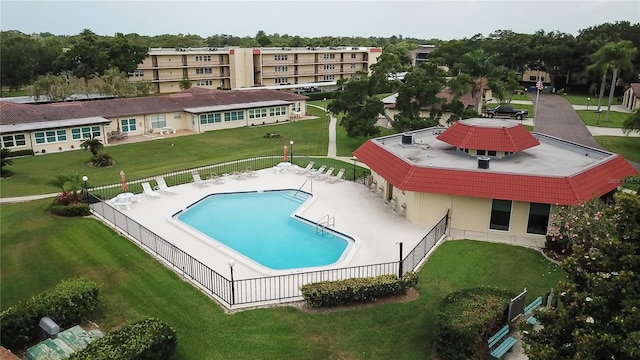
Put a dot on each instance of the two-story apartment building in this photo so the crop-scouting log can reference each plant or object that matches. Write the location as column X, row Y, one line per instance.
column 232, row 67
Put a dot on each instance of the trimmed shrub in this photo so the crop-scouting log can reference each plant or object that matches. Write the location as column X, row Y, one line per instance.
column 70, row 210
column 68, row 303
column 466, row 319
column 16, row 153
column 147, row 339
column 331, row 293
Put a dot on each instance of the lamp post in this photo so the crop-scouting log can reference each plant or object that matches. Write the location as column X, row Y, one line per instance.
column 291, row 144
column 231, row 263
column 85, row 190
column 588, row 100
column 400, row 261
column 326, row 113
column 354, row 169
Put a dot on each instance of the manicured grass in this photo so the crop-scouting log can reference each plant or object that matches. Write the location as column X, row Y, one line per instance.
column 629, row 147
column 581, row 99
column 135, row 285
column 522, row 97
column 13, row 93
column 590, row 117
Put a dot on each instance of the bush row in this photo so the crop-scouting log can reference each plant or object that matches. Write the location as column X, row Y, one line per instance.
column 466, row 319
column 68, row 303
column 16, row 153
column 145, row 339
column 70, row 210
column 330, row 293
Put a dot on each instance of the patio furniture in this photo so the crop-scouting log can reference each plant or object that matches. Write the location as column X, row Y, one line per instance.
column 146, row 187
column 197, row 180
column 324, row 176
column 337, row 177
column 313, row 173
column 301, row 171
column 162, row 186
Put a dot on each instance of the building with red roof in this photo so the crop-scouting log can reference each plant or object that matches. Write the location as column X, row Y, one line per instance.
column 496, row 180
column 46, row 128
column 631, row 97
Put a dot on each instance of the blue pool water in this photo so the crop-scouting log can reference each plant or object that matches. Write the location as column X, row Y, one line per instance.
column 259, row 225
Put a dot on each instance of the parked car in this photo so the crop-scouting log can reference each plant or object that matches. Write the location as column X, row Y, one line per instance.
column 506, row 110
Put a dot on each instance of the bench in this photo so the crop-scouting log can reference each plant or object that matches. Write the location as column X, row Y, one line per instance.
column 500, row 343
column 528, row 311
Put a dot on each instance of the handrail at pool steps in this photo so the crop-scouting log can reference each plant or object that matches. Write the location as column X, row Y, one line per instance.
column 300, row 188
column 325, row 222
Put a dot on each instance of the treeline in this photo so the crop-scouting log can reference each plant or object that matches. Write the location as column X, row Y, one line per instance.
column 24, row 57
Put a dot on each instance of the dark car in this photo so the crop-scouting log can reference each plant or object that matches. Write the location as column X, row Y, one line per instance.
column 507, row 111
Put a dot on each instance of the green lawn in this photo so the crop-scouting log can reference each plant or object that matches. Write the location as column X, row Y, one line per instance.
column 135, row 285
column 629, row 147
column 590, row 117
column 582, row 99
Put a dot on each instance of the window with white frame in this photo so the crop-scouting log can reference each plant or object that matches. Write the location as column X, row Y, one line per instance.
column 295, row 107
column 233, row 115
column 329, row 77
column 210, row 118
column 51, row 136
column 137, row 73
column 280, row 57
column 353, row 56
column 204, row 71
column 158, row 121
column 257, row 113
column 282, row 68
column 128, row 125
column 282, row 80
column 328, row 56
column 85, row 132
column 278, row 110
column 13, row 140
column 329, row 66
column 177, row 116
column 204, row 83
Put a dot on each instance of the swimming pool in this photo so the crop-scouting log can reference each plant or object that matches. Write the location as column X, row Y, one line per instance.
column 260, row 226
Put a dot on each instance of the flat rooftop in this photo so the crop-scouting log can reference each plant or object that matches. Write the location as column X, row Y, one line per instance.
column 554, row 157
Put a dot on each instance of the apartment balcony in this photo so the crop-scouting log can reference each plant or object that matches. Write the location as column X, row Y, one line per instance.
column 266, row 62
column 191, row 77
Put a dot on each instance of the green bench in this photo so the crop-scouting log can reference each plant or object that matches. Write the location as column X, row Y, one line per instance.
column 500, row 343
column 528, row 311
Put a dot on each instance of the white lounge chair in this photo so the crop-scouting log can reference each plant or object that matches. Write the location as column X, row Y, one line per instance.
column 337, row 177
column 251, row 173
column 197, row 180
column 162, row 186
column 146, row 187
column 302, row 171
column 313, row 173
column 324, row 176
column 215, row 179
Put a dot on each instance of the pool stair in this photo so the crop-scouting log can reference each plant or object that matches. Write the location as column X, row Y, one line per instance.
column 325, row 222
column 296, row 197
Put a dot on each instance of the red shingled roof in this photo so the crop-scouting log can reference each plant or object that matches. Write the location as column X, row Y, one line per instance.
column 636, row 89
column 570, row 190
column 11, row 113
column 468, row 136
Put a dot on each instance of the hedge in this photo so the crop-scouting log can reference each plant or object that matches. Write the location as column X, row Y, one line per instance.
column 330, row 293
column 466, row 319
column 147, row 339
column 68, row 303
column 71, row 210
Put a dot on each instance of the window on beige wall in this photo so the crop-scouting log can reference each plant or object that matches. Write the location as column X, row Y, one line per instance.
column 500, row 215
column 538, row 218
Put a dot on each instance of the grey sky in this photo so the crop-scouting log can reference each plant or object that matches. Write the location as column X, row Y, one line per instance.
column 443, row 19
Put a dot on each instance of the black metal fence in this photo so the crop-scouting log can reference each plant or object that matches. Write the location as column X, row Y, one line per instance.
column 232, row 292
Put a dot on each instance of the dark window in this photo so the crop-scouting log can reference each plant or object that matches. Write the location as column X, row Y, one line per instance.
column 538, row 218
column 481, row 152
column 491, row 153
column 500, row 215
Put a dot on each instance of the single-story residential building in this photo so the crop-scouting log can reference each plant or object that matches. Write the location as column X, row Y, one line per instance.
column 496, row 180
column 631, row 97
column 46, row 128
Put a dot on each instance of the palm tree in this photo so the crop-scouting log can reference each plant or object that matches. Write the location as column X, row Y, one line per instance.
column 632, row 123
column 5, row 159
column 617, row 55
column 483, row 72
column 59, row 181
column 93, row 144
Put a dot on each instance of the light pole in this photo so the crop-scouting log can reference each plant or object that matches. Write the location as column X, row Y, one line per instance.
column 354, row 169
column 326, row 113
column 291, row 144
column 400, row 261
column 588, row 100
column 86, row 191
column 231, row 263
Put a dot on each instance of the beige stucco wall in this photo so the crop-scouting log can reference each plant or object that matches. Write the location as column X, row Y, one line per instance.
column 630, row 101
column 469, row 216
column 68, row 145
column 241, row 68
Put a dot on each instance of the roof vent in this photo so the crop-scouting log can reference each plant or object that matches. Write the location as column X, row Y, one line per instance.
column 483, row 162
column 407, row 138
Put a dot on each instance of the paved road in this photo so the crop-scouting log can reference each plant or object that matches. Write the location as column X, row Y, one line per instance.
column 555, row 116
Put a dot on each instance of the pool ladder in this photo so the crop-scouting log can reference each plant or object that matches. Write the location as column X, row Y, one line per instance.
column 325, row 222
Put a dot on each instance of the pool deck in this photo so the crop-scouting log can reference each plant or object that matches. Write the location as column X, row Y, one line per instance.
column 357, row 212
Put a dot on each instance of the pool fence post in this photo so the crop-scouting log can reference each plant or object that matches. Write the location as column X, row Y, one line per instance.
column 400, row 261
column 233, row 297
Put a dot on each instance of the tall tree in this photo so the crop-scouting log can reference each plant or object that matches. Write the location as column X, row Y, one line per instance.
column 618, row 56
column 55, row 88
column 359, row 105
column 87, row 57
column 123, row 54
column 482, row 72
column 17, row 59
column 554, row 50
column 115, row 83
